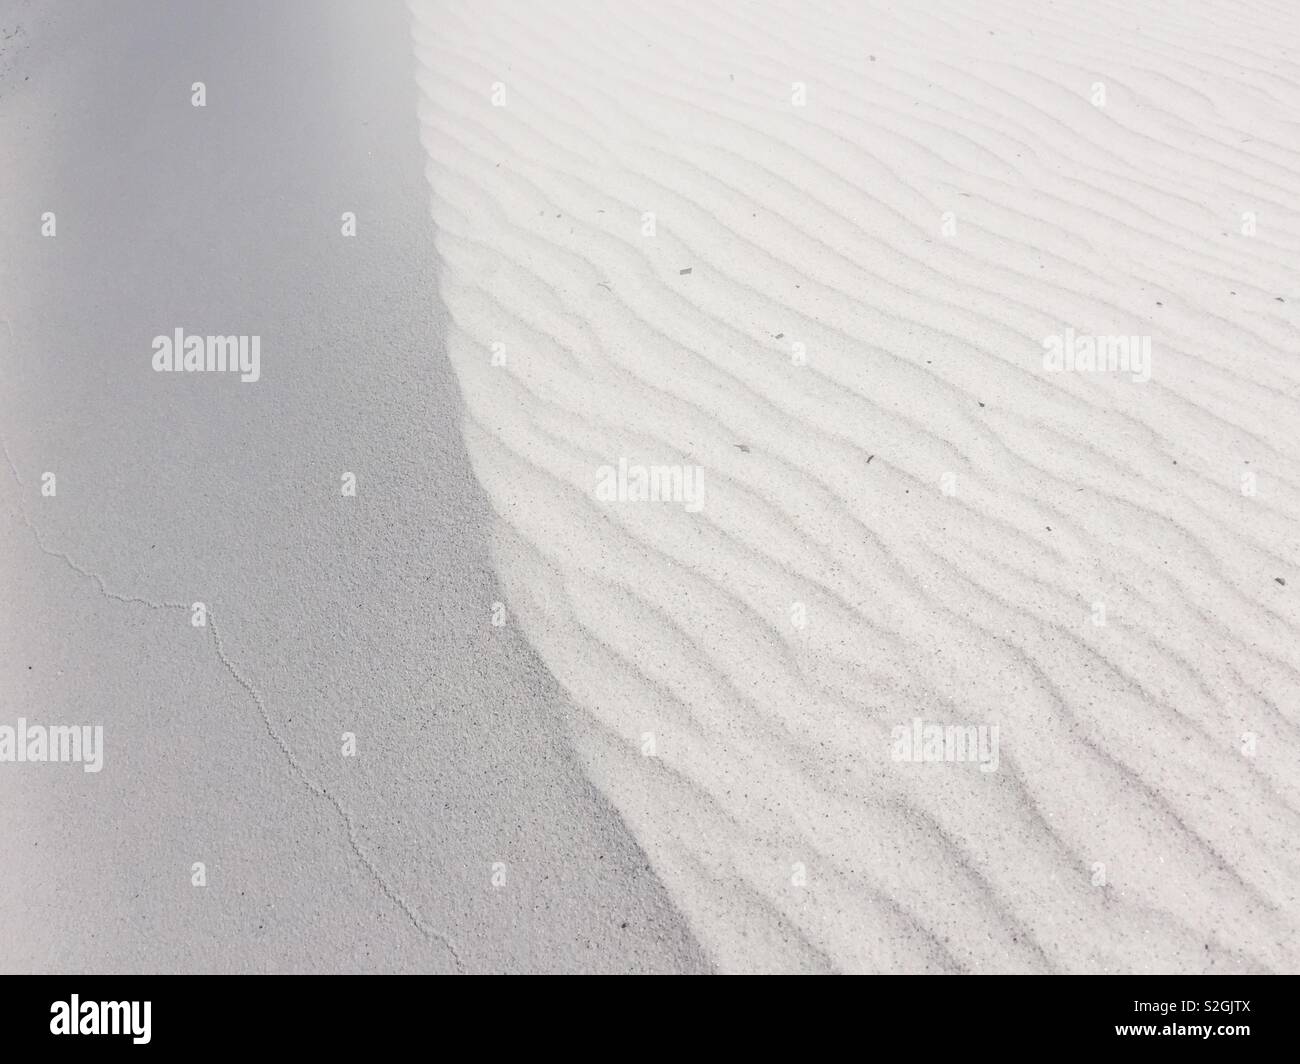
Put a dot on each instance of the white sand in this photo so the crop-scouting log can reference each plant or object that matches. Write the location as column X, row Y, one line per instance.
column 1126, row 827
column 369, row 615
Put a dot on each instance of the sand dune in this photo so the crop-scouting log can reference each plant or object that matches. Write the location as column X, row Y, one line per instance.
column 868, row 222
column 370, row 775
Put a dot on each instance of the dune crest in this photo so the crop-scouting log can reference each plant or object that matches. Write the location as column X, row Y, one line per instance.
column 813, row 263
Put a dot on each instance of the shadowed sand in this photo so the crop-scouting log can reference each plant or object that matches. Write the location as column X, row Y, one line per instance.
column 328, row 614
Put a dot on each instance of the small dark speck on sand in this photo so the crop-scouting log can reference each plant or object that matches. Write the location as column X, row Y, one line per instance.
column 744, row 447
column 981, row 404
column 1280, row 580
column 1279, row 299
column 869, row 458
column 684, row 272
column 605, row 285
column 778, row 336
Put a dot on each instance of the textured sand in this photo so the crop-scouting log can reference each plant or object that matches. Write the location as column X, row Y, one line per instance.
column 369, row 614
column 939, row 511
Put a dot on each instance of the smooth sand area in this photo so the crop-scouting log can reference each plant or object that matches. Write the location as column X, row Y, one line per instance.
column 327, row 614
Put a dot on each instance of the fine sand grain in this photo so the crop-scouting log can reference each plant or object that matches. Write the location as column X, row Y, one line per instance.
column 464, row 834
column 815, row 253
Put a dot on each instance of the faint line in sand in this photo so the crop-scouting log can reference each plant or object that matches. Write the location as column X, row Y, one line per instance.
column 319, row 790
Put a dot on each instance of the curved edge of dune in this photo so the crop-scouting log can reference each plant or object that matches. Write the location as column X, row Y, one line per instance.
column 806, row 262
